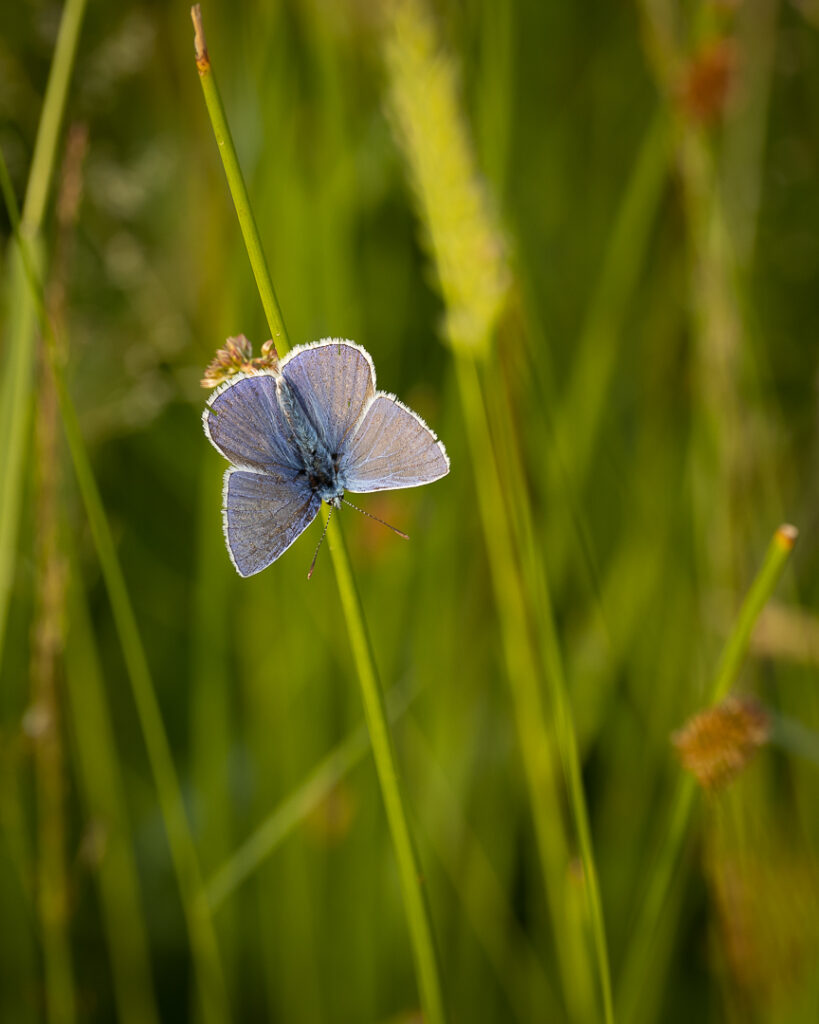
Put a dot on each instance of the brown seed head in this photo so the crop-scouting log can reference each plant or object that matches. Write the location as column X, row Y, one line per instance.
column 716, row 744
column 707, row 81
column 236, row 356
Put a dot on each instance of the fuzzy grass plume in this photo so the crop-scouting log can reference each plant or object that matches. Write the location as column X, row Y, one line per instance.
column 466, row 243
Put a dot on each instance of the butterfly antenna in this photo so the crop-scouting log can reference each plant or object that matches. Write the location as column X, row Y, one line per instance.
column 321, row 538
column 371, row 516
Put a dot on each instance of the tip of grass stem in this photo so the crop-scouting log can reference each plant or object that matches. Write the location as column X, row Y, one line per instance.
column 199, row 43
column 786, row 536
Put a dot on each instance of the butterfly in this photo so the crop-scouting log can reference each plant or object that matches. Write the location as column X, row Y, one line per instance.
column 304, row 432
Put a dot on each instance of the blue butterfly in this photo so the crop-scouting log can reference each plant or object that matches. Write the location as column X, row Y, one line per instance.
column 305, row 432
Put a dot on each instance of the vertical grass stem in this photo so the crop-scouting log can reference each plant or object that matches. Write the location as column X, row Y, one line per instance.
column 236, row 185
column 537, row 747
column 415, row 901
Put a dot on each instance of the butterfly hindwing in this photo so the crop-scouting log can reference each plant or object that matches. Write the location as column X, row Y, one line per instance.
column 262, row 515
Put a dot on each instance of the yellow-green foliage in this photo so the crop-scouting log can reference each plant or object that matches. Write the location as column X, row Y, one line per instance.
column 191, row 821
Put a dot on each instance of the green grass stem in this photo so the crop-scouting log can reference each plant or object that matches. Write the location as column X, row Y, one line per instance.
column 743, row 161
column 539, row 598
column 46, row 700
column 536, row 743
column 212, row 714
column 662, row 875
column 15, row 410
column 15, row 388
column 791, row 735
column 295, row 807
column 480, row 891
column 202, row 937
column 237, row 187
column 468, row 252
column 734, row 652
column 51, row 119
column 580, row 414
column 414, row 893
column 102, row 791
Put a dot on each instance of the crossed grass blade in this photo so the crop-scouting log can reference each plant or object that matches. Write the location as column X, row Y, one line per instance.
column 204, row 947
column 468, row 253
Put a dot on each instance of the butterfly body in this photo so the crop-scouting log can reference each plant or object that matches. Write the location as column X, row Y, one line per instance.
column 320, row 466
column 303, row 433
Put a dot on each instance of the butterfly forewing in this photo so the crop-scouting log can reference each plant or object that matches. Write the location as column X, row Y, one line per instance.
column 262, row 515
column 244, row 421
column 392, row 447
column 334, row 381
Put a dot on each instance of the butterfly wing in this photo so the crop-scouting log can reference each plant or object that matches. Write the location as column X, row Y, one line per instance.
column 392, row 447
column 335, row 381
column 262, row 514
column 244, row 422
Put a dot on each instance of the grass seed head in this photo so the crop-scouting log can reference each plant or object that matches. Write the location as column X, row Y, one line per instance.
column 460, row 228
column 236, row 356
column 715, row 745
column 707, row 82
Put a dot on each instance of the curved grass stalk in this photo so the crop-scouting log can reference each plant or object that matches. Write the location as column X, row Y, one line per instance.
column 15, row 390
column 414, row 893
column 202, row 937
column 103, row 797
column 661, row 877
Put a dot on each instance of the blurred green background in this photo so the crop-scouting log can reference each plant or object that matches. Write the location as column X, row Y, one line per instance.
column 645, row 178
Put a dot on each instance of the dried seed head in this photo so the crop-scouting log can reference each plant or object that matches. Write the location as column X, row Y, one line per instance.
column 707, row 81
column 237, row 357
column 716, row 744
